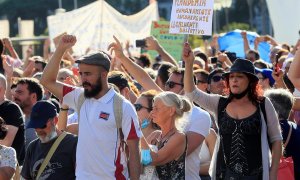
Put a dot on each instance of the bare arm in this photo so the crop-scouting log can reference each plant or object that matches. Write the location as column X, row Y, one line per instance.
column 46, row 48
column 245, row 41
column 135, row 70
column 63, row 118
column 171, row 151
column 11, row 134
column 294, row 73
column 8, row 73
column 194, row 140
column 296, row 105
column 48, row 79
column 188, row 57
column 10, row 48
column 6, row 173
column 134, row 158
column 152, row 44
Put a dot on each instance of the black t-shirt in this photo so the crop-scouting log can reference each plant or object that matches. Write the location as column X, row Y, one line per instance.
column 12, row 115
column 61, row 164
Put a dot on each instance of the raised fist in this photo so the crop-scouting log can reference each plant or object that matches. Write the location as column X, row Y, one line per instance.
column 66, row 42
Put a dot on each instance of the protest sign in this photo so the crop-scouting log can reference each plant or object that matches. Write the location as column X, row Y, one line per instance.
column 172, row 43
column 192, row 17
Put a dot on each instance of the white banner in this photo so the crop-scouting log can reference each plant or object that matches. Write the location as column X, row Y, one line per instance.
column 285, row 19
column 4, row 28
column 192, row 17
column 95, row 24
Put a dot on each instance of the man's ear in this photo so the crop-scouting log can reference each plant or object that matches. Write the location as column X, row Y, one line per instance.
column 55, row 120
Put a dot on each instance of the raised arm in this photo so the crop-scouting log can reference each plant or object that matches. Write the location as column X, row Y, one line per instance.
column 10, row 48
column 294, row 73
column 48, row 79
column 245, row 40
column 135, row 70
column 188, row 57
column 152, row 44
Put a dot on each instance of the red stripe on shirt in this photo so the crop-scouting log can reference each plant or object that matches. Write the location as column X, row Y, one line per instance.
column 67, row 89
column 132, row 133
column 119, row 167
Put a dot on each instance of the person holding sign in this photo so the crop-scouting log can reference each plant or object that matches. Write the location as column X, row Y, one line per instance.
column 247, row 121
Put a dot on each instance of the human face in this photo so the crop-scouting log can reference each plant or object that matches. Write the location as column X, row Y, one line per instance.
column 263, row 81
column 217, row 84
column 201, row 82
column 238, row 82
column 160, row 112
column 174, row 84
column 38, row 67
column 47, row 133
column 251, row 57
column 142, row 108
column 91, row 80
column 22, row 96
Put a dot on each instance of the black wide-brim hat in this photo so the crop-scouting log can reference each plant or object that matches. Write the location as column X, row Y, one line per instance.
column 242, row 66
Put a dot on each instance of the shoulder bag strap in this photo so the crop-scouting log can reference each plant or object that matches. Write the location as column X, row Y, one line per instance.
column 118, row 110
column 81, row 100
column 50, row 154
column 289, row 136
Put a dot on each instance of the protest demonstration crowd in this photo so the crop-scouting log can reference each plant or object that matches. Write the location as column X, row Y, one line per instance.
column 115, row 114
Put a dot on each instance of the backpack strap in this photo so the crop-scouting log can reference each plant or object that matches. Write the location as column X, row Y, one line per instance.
column 81, row 100
column 50, row 154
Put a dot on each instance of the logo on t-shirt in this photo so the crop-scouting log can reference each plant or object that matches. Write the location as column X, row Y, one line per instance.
column 104, row 115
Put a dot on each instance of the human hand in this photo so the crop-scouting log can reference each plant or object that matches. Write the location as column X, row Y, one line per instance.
column 152, row 43
column 66, row 42
column 9, row 69
column 116, row 48
column 222, row 57
column 244, row 34
column 187, row 54
column 277, row 76
column 29, row 51
column 7, row 43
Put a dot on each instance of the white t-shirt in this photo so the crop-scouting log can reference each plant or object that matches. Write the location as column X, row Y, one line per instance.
column 199, row 122
column 99, row 155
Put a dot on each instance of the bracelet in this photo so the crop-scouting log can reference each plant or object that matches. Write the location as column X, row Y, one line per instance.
column 62, row 109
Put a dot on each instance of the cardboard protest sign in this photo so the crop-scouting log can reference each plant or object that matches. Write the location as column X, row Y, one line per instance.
column 172, row 43
column 192, row 17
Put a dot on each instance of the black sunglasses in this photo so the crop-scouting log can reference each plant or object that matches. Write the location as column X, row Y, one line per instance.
column 138, row 107
column 171, row 84
column 217, row 78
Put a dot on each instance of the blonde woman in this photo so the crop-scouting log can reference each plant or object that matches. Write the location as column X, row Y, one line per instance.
column 168, row 108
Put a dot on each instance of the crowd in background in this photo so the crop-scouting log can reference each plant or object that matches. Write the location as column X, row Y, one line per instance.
column 214, row 116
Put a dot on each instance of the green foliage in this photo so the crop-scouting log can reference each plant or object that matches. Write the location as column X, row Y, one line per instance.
column 195, row 41
column 235, row 25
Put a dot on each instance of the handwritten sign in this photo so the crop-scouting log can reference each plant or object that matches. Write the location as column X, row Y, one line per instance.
column 172, row 43
column 192, row 17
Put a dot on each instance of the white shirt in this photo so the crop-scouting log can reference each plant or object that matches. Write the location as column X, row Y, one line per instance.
column 199, row 122
column 99, row 155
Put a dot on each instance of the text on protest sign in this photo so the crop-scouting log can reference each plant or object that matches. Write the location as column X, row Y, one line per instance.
column 192, row 17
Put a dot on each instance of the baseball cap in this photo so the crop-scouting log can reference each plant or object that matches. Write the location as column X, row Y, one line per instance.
column 98, row 59
column 267, row 73
column 41, row 112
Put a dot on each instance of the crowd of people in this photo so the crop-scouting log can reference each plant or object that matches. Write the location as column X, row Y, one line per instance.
column 113, row 114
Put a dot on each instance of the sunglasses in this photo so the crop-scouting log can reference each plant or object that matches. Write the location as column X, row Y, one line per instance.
column 217, row 78
column 138, row 107
column 171, row 84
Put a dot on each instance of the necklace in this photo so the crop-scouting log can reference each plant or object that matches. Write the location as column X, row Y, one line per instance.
column 166, row 136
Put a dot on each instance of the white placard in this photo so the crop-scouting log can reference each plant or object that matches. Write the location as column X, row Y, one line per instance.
column 192, row 17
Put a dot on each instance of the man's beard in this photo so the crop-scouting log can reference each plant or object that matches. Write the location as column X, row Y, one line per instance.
column 48, row 137
column 95, row 89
